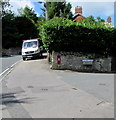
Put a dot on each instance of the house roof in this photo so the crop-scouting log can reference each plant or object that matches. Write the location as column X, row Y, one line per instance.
column 79, row 17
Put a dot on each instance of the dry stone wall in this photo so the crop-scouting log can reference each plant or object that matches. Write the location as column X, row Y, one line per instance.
column 10, row 51
column 74, row 61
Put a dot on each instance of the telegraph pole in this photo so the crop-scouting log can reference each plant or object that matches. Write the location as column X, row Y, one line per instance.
column 46, row 15
column 46, row 6
column 46, row 9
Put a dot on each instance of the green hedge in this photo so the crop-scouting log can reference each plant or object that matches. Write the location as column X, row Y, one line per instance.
column 60, row 34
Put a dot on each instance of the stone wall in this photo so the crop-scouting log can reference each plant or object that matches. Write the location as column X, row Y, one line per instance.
column 74, row 61
column 10, row 51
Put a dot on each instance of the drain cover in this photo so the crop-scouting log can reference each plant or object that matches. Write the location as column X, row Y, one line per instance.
column 44, row 89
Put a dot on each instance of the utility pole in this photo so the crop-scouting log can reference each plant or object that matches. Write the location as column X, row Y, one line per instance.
column 46, row 6
column 46, row 15
column 46, row 9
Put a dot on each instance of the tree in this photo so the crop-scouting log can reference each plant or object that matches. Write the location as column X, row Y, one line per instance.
column 28, row 13
column 90, row 19
column 26, row 28
column 100, row 20
column 5, row 8
column 58, row 9
column 26, row 23
column 17, row 28
column 9, row 31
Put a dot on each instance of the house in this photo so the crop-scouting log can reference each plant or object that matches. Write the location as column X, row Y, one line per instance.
column 78, row 14
column 108, row 23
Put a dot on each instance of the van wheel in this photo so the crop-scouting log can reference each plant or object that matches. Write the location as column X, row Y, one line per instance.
column 24, row 58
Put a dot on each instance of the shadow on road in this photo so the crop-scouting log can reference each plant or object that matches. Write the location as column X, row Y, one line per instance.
column 10, row 99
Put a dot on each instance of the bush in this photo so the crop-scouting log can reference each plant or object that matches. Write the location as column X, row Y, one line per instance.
column 61, row 34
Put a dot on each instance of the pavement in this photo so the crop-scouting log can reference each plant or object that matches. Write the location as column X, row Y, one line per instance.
column 32, row 90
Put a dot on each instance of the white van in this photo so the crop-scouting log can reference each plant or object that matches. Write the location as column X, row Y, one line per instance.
column 31, row 48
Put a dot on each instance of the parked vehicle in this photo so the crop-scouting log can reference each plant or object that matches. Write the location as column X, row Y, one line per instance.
column 31, row 48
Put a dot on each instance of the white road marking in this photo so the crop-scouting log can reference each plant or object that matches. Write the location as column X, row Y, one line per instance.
column 8, row 69
column 4, row 71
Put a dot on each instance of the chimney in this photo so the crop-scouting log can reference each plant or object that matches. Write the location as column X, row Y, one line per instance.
column 78, row 10
column 109, row 19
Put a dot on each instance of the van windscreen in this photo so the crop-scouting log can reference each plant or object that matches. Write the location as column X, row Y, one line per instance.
column 30, row 44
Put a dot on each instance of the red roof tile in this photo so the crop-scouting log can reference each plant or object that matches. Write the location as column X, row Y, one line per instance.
column 80, row 17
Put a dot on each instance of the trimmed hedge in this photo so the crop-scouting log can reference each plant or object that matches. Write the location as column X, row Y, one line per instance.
column 61, row 34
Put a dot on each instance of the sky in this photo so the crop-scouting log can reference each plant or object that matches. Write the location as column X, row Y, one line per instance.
column 101, row 8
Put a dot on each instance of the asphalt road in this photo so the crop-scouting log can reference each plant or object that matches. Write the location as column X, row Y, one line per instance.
column 6, row 62
column 32, row 90
column 99, row 84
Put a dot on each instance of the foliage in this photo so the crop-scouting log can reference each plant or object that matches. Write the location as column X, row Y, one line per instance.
column 58, row 9
column 91, row 22
column 9, row 31
column 61, row 34
column 26, row 28
column 5, row 8
column 17, row 28
column 100, row 19
column 28, row 13
column 41, row 18
column 90, row 19
column 113, row 44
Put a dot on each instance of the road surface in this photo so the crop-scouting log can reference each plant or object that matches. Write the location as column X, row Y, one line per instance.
column 99, row 84
column 6, row 62
column 32, row 90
